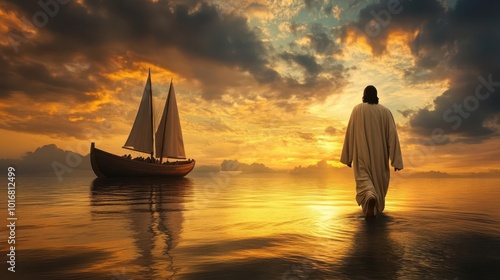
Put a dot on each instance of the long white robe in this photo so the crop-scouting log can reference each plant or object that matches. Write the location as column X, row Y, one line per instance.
column 371, row 140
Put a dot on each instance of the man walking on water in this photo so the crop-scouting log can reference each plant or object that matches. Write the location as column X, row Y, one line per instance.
column 370, row 141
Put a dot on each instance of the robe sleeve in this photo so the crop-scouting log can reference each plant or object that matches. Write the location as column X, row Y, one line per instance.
column 393, row 145
column 348, row 149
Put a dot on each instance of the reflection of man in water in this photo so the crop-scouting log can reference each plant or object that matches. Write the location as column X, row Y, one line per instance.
column 371, row 140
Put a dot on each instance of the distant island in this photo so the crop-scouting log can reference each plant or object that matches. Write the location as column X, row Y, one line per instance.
column 494, row 173
column 46, row 159
column 235, row 165
column 321, row 167
column 50, row 159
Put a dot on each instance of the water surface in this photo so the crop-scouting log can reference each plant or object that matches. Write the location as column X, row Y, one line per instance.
column 254, row 226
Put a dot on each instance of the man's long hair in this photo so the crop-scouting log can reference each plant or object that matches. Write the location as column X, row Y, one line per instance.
column 370, row 95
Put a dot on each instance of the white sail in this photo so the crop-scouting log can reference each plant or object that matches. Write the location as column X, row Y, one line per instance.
column 169, row 142
column 141, row 135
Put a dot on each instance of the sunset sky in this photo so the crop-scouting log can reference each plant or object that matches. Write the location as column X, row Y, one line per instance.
column 272, row 82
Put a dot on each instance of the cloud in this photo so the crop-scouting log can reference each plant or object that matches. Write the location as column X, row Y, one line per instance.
column 459, row 44
column 321, row 41
column 326, row 6
column 320, row 167
column 212, row 124
column 313, row 3
column 72, row 61
column 66, row 65
column 48, row 159
column 307, row 62
column 235, row 165
column 315, row 71
column 309, row 137
column 337, row 11
column 406, row 113
column 143, row 29
column 330, row 130
column 259, row 10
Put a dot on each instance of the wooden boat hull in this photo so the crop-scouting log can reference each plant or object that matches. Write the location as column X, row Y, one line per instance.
column 108, row 165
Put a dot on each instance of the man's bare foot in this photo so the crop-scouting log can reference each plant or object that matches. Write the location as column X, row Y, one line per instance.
column 370, row 212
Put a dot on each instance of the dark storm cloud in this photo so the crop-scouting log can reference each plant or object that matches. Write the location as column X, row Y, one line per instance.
column 100, row 29
column 37, row 80
column 97, row 32
column 461, row 44
column 69, row 57
column 377, row 21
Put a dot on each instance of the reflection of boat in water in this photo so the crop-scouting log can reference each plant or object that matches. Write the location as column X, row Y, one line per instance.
column 153, row 212
column 166, row 142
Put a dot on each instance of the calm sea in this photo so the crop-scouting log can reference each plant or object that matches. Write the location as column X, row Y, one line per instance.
column 252, row 226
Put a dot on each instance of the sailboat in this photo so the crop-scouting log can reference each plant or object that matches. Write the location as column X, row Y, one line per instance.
column 166, row 142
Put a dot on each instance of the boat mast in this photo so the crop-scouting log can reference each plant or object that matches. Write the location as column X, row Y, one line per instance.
column 151, row 103
column 165, row 124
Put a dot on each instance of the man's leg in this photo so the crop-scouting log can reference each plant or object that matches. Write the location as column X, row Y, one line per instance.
column 370, row 208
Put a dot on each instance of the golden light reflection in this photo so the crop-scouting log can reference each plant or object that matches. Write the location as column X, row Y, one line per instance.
column 313, row 214
column 157, row 230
